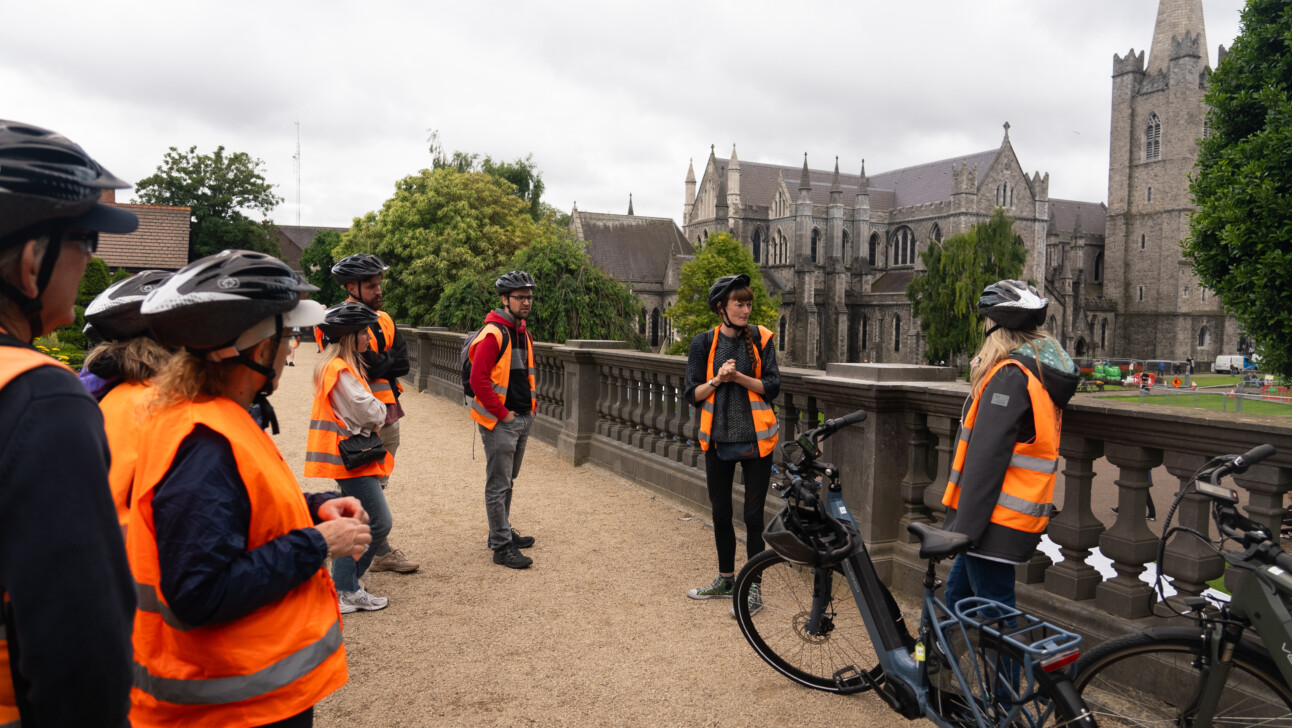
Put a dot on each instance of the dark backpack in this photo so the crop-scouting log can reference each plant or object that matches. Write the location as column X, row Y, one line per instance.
column 464, row 358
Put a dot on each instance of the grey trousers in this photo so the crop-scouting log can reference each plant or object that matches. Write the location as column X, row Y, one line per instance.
column 389, row 436
column 504, row 448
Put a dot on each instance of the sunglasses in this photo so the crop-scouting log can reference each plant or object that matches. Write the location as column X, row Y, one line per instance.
column 87, row 239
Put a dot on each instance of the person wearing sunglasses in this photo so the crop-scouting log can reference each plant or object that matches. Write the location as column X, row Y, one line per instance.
column 66, row 596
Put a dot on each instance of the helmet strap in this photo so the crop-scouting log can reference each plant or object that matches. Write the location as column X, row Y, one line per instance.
column 268, row 417
column 31, row 308
column 991, row 331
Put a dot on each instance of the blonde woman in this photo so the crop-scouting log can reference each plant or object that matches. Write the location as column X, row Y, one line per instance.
column 117, row 372
column 1002, row 480
column 344, row 406
column 225, row 549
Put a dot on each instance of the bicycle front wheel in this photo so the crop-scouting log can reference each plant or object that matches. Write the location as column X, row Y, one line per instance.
column 821, row 643
column 1149, row 680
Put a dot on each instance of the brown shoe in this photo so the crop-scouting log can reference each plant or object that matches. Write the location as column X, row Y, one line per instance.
column 394, row 561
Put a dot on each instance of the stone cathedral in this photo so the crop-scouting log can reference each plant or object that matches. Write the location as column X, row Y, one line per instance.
column 840, row 248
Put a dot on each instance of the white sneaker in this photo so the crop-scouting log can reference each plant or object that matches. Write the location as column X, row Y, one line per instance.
column 360, row 600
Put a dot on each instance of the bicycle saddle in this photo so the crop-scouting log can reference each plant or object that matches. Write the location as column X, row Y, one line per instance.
column 936, row 543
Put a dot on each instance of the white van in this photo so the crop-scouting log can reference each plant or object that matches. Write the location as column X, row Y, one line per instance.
column 1239, row 363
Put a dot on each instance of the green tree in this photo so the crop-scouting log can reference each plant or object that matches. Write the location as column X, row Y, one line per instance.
column 440, row 226
column 1242, row 184
column 721, row 255
column 96, row 280
column 945, row 298
column 574, row 298
column 217, row 188
column 120, row 274
column 317, row 261
column 522, row 173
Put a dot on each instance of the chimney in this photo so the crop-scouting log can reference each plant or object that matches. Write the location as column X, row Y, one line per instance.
column 108, row 196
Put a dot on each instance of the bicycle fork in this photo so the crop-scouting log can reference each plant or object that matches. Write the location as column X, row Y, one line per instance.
column 1214, row 665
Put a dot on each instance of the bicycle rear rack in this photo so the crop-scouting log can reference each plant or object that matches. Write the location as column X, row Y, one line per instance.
column 1053, row 647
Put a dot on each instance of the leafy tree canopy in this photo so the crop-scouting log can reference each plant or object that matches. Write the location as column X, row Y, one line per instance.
column 523, row 174
column 317, row 262
column 574, row 299
column 440, row 226
column 1243, row 183
column 217, row 187
column 945, row 298
column 96, row 280
column 721, row 255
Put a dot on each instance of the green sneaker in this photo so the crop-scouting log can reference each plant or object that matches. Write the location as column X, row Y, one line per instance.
column 755, row 600
column 721, row 588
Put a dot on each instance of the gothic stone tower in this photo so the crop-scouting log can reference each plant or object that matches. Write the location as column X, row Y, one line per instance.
column 1157, row 118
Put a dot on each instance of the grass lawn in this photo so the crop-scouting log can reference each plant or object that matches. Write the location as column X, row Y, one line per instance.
column 1211, row 402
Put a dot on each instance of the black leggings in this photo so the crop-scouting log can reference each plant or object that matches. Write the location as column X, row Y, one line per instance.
column 304, row 719
column 719, row 475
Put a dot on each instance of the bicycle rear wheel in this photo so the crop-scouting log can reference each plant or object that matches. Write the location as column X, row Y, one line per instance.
column 809, row 646
column 1147, row 680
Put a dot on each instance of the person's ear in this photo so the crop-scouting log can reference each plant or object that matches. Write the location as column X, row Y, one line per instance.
column 265, row 351
column 28, row 270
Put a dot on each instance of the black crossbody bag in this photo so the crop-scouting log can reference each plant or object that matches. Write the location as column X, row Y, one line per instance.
column 360, row 450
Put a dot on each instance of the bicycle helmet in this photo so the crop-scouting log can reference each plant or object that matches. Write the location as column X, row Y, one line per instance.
column 358, row 267
column 513, row 281
column 1013, row 305
column 114, row 314
column 809, row 536
column 230, row 299
column 346, row 318
column 723, row 287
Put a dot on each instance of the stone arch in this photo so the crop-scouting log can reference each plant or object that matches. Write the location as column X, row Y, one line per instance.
column 1153, row 139
column 1204, row 337
column 871, row 250
column 1099, row 267
column 846, row 240
column 756, row 242
column 816, row 237
column 935, row 233
column 903, row 246
column 1081, row 348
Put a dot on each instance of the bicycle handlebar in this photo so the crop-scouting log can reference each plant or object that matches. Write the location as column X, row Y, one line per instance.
column 1240, row 463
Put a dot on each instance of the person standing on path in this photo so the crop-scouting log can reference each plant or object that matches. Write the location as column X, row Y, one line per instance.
column 733, row 377
column 502, row 378
column 118, row 373
column 1001, row 489
column 386, row 360
column 237, row 622
column 345, row 407
column 66, row 598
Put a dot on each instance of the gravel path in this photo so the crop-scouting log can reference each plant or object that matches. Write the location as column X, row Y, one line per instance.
column 598, row 632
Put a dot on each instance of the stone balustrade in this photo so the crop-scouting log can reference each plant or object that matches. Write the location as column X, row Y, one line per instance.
column 624, row 410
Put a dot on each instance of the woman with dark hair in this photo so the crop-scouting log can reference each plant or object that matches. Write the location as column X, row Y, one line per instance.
column 732, row 376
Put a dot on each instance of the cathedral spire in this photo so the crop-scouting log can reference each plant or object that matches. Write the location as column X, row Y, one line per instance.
column 690, row 171
column 630, row 203
column 734, row 163
column 804, row 182
column 1174, row 19
column 835, row 186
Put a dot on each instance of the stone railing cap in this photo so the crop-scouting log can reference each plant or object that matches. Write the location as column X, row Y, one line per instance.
column 595, row 344
column 890, row 372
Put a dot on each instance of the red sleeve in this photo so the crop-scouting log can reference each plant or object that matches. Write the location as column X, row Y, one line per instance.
column 483, row 359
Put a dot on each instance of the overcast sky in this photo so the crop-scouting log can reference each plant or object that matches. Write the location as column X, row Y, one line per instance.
column 610, row 98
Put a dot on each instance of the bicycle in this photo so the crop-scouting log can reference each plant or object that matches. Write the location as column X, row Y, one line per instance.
column 1215, row 673
column 981, row 664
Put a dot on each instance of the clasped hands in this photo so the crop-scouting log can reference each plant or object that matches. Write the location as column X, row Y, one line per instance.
column 727, row 372
column 344, row 525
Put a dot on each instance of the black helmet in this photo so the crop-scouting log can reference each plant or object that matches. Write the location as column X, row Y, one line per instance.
column 513, row 281
column 346, row 318
column 723, row 287
column 228, row 299
column 811, row 537
column 114, row 314
column 358, row 267
column 44, row 177
column 1013, row 305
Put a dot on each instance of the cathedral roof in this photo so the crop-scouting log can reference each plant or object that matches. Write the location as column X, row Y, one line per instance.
column 631, row 248
column 916, row 185
column 1063, row 217
column 894, row 281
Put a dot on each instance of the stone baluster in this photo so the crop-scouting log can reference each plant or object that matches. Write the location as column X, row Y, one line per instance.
column 637, row 395
column 558, row 389
column 664, row 415
column 623, row 403
column 916, row 480
column 605, row 394
column 659, row 386
column 1129, row 543
column 1266, row 487
column 1189, row 562
column 946, row 429
column 645, row 406
column 691, row 454
column 1075, row 529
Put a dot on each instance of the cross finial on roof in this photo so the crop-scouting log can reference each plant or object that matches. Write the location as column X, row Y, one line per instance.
column 1007, row 130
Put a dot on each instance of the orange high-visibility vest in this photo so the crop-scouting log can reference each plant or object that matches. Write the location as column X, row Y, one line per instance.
column 508, row 357
column 327, row 429
column 1027, row 493
column 765, row 425
column 14, row 361
column 383, row 337
column 260, row 668
column 122, row 422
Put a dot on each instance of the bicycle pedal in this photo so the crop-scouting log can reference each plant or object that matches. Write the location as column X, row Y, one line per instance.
column 850, row 681
column 898, row 695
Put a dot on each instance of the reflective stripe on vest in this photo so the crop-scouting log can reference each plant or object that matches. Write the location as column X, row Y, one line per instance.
column 1026, row 496
column 766, row 426
column 289, row 653
column 382, row 337
column 509, row 358
column 14, row 361
column 327, row 430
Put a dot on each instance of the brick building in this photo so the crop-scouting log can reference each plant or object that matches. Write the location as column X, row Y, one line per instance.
column 160, row 242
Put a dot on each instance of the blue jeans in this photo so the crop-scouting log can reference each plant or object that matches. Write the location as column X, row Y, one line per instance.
column 345, row 570
column 994, row 580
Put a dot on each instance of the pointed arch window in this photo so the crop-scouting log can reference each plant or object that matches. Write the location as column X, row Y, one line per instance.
column 865, row 331
column 904, row 247
column 1153, row 138
column 1099, row 267
column 870, row 254
column 897, row 333
column 1203, row 337
column 1103, row 335
column 936, row 233
column 780, row 336
column 845, row 247
column 816, row 235
column 758, row 245
column 654, row 329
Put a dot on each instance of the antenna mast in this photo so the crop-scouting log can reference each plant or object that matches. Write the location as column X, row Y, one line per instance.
column 296, row 163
